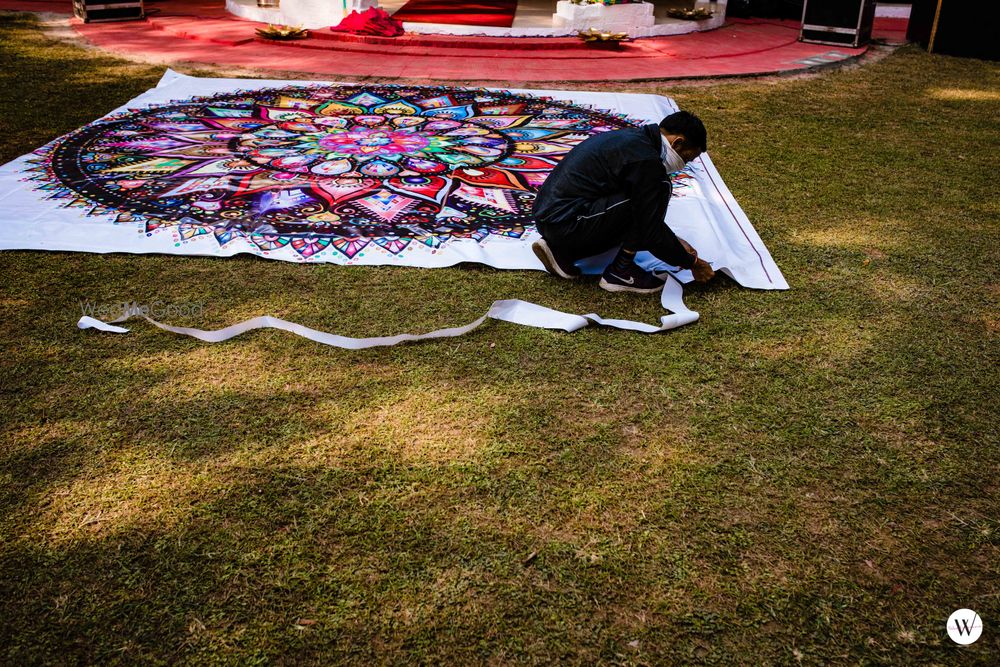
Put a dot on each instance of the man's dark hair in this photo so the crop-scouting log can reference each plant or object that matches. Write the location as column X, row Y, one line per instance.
column 689, row 125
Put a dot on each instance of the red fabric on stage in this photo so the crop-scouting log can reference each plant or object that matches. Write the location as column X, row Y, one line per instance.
column 494, row 13
column 373, row 21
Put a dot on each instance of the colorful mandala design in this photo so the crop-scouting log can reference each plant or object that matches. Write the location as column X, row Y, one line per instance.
column 683, row 181
column 312, row 168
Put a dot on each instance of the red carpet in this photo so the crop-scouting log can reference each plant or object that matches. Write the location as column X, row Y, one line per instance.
column 493, row 13
column 191, row 33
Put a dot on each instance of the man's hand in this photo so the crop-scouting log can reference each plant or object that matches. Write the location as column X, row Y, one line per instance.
column 702, row 271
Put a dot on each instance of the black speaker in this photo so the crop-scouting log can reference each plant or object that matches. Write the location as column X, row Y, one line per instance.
column 954, row 29
column 782, row 9
column 838, row 22
column 90, row 11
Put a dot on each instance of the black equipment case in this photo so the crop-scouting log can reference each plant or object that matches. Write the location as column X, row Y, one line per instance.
column 90, row 11
column 838, row 22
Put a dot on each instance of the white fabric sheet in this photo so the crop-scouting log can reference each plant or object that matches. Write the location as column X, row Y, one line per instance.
column 707, row 216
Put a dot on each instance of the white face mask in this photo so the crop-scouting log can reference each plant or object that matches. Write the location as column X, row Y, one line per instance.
column 671, row 159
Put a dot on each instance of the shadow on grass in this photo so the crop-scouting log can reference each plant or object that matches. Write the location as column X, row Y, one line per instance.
column 46, row 106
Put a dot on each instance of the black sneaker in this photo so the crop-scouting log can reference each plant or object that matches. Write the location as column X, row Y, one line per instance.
column 554, row 262
column 631, row 279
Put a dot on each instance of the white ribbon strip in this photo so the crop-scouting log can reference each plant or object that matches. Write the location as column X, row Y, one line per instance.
column 507, row 310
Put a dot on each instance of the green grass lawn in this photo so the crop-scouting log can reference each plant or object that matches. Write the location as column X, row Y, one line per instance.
column 803, row 477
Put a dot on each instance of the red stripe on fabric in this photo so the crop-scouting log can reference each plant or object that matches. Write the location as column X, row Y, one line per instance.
column 738, row 224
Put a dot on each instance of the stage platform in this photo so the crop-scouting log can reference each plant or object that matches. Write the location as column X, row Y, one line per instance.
column 203, row 33
column 532, row 18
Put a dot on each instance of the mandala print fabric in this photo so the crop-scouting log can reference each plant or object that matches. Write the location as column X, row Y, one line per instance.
column 331, row 173
column 345, row 173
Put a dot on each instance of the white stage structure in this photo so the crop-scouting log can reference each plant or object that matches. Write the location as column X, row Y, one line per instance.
column 638, row 19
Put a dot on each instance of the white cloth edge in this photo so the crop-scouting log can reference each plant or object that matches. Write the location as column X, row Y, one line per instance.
column 514, row 311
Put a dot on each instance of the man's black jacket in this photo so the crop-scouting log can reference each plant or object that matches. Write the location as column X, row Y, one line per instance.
column 625, row 162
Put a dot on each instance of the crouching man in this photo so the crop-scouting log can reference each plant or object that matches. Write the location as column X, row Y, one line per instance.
column 612, row 191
